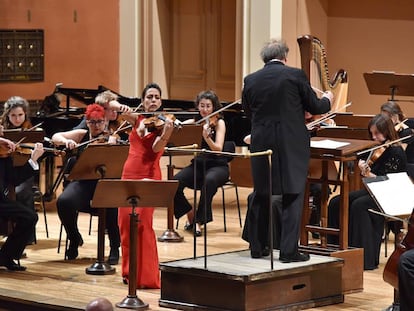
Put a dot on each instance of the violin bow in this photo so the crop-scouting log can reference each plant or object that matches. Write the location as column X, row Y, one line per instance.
column 217, row 111
column 384, row 144
column 34, row 127
column 329, row 115
column 122, row 126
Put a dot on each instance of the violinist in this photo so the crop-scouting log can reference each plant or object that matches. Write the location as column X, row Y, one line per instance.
column 146, row 147
column 77, row 194
column 109, row 101
column 366, row 228
column 403, row 126
column 15, row 116
column 23, row 216
column 217, row 169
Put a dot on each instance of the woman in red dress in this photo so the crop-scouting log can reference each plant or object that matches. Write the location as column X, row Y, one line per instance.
column 146, row 148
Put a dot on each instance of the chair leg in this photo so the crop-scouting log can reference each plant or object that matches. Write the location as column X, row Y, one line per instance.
column 224, row 209
column 60, row 238
column 385, row 240
column 60, row 241
column 90, row 224
column 238, row 204
column 42, row 200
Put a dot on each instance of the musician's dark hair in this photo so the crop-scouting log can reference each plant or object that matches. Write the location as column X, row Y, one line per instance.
column 384, row 125
column 11, row 103
column 151, row 85
column 274, row 49
column 392, row 108
column 211, row 95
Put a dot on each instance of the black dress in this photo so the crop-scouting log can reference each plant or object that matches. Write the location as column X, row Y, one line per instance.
column 366, row 228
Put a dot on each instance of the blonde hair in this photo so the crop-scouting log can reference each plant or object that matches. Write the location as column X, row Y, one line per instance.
column 105, row 97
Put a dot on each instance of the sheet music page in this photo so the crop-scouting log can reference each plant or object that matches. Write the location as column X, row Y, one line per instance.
column 394, row 195
column 328, row 144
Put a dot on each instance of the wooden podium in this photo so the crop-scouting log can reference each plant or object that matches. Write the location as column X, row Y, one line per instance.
column 135, row 193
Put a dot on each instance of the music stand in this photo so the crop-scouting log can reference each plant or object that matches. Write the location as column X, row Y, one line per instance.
column 385, row 82
column 186, row 135
column 135, row 192
column 381, row 189
column 97, row 162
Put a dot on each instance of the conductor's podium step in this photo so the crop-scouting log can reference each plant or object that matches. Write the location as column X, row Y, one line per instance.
column 353, row 268
column 235, row 281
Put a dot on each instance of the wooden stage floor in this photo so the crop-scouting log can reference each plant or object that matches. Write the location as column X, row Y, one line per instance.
column 64, row 285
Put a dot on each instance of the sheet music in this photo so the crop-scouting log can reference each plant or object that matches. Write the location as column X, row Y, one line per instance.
column 328, row 144
column 394, row 194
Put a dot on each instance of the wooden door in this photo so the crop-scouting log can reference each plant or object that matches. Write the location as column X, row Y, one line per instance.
column 202, row 56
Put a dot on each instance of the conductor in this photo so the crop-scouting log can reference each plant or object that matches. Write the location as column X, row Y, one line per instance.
column 275, row 98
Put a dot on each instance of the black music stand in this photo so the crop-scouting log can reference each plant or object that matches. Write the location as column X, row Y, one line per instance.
column 134, row 192
column 385, row 83
column 97, row 162
column 186, row 135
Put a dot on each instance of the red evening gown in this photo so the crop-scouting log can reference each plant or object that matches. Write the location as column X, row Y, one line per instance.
column 141, row 163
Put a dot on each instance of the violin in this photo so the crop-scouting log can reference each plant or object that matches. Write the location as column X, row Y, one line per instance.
column 375, row 155
column 157, row 121
column 390, row 274
column 26, row 149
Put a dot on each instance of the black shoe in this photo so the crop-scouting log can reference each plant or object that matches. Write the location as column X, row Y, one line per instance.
column 297, row 257
column 188, row 227
column 11, row 265
column 72, row 251
column 259, row 254
column 113, row 257
column 198, row 233
column 125, row 280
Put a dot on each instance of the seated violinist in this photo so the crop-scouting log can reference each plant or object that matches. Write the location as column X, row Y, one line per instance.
column 403, row 126
column 217, row 169
column 23, row 216
column 77, row 195
column 109, row 101
column 15, row 116
column 366, row 228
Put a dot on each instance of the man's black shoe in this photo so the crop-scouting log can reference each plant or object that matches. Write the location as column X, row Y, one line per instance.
column 259, row 254
column 297, row 257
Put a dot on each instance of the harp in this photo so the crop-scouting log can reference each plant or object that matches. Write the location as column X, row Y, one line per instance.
column 315, row 65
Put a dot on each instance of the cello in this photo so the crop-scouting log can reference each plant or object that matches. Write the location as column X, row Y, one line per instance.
column 390, row 274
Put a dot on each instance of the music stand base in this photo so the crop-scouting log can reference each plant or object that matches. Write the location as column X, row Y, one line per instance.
column 170, row 235
column 100, row 268
column 132, row 302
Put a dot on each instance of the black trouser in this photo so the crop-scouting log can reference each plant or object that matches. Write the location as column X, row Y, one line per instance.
column 76, row 197
column 24, row 220
column 215, row 177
